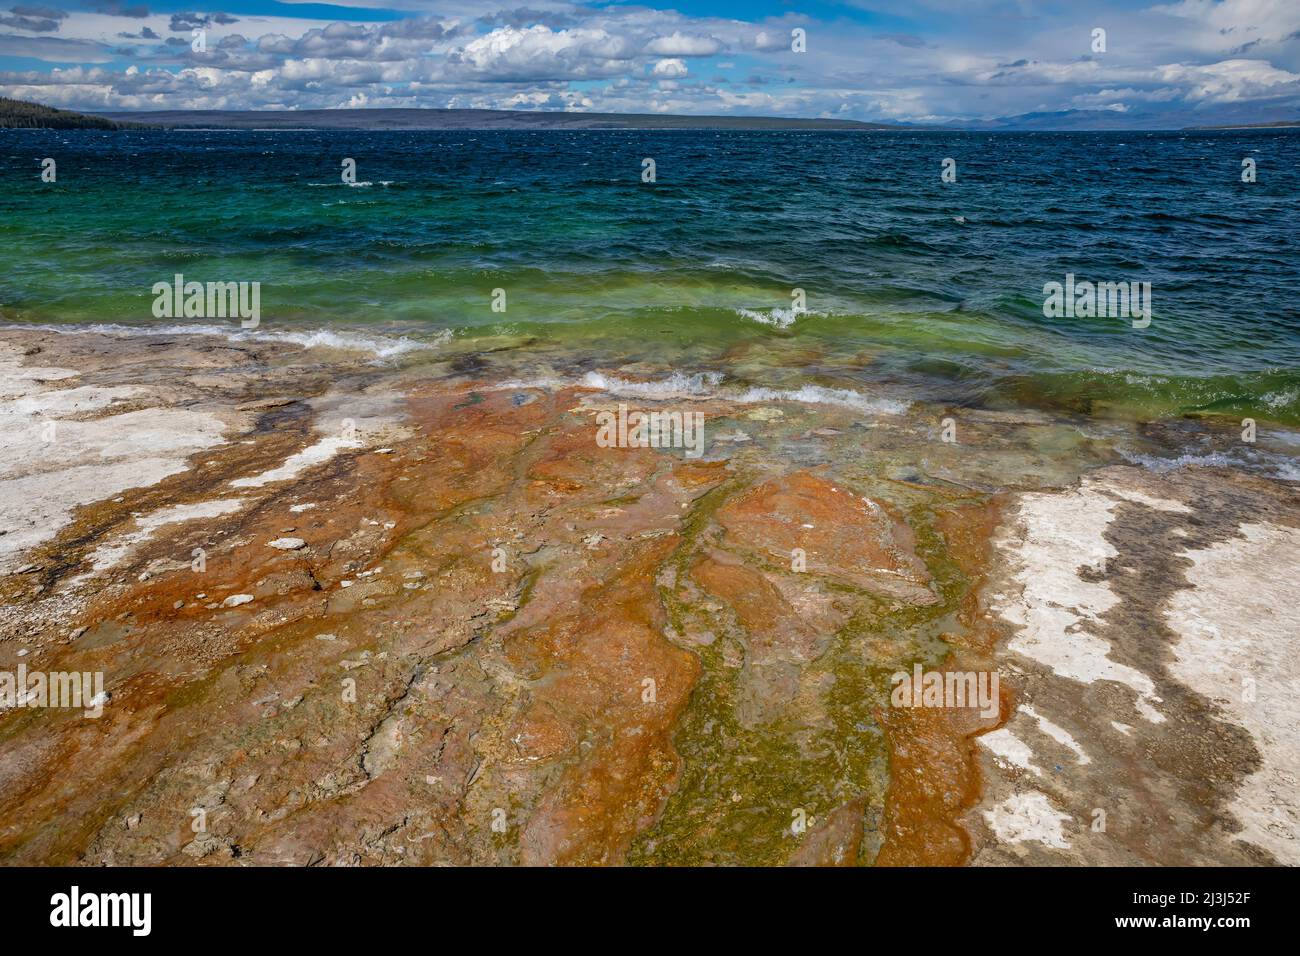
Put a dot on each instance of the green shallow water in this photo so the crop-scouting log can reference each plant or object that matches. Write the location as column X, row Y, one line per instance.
column 915, row 289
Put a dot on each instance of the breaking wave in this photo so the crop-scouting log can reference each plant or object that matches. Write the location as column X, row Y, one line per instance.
column 380, row 346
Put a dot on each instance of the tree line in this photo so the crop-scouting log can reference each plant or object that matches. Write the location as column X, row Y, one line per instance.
column 18, row 114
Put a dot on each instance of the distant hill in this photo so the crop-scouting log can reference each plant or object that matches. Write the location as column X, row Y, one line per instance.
column 1071, row 121
column 465, row 119
column 1238, row 116
column 1279, row 124
column 19, row 114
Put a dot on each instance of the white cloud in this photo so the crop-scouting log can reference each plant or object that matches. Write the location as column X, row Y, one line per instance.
column 538, row 52
column 670, row 69
column 1230, row 80
column 1185, row 61
column 680, row 44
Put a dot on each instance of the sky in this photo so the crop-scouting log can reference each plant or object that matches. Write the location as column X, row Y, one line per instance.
column 971, row 62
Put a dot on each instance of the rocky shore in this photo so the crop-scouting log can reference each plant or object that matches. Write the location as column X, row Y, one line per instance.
column 412, row 612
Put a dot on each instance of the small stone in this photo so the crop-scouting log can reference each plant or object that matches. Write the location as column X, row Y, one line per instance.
column 77, row 632
column 178, row 605
column 288, row 544
column 23, row 652
column 235, row 600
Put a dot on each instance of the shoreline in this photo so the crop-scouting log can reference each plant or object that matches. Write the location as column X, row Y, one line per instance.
column 523, row 690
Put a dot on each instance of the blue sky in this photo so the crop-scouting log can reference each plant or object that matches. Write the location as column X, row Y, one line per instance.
column 1184, row 62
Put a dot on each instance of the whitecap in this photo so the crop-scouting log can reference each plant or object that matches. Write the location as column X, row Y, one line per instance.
column 381, row 346
column 777, row 318
column 676, row 385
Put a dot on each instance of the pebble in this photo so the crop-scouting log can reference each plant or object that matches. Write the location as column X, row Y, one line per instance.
column 288, row 544
column 236, row 599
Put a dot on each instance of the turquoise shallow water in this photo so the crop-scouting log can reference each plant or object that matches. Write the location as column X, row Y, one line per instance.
column 927, row 288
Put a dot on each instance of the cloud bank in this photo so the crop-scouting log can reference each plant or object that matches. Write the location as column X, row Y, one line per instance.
column 919, row 61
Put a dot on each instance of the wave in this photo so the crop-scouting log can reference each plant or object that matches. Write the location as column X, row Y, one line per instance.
column 380, row 346
column 1274, row 466
column 778, row 318
column 705, row 385
column 819, row 395
column 676, row 385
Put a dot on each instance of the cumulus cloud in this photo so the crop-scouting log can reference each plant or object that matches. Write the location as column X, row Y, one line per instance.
column 538, row 53
column 670, row 69
column 1230, row 81
column 680, row 44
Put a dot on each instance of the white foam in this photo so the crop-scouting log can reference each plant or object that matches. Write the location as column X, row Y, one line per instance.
column 1282, row 467
column 676, row 385
column 819, row 395
column 381, row 346
column 777, row 318
column 705, row 385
